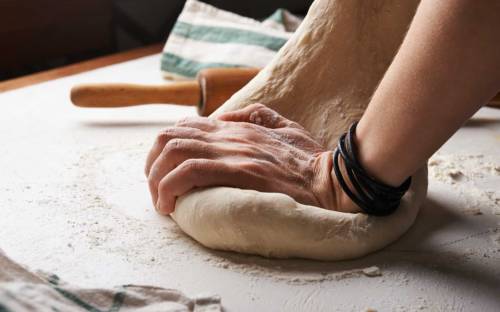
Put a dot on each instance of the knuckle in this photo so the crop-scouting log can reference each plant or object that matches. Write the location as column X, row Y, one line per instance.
column 162, row 188
column 187, row 121
column 184, row 121
column 165, row 135
column 266, row 117
column 202, row 123
column 191, row 165
column 174, row 146
column 195, row 168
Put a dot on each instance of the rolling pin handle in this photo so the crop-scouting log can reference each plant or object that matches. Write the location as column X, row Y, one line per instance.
column 219, row 84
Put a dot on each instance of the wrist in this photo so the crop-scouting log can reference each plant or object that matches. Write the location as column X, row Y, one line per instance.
column 322, row 186
column 343, row 202
column 371, row 195
column 327, row 190
column 374, row 157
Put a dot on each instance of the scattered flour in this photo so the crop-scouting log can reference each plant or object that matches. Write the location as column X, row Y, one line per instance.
column 496, row 238
column 103, row 223
column 292, row 271
column 100, row 223
column 372, row 271
column 475, row 178
column 456, row 175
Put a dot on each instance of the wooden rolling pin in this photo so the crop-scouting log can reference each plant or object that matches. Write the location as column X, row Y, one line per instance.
column 210, row 90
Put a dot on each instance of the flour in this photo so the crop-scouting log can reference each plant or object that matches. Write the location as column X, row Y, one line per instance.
column 101, row 172
column 101, row 223
column 372, row 271
column 293, row 271
column 473, row 177
column 496, row 238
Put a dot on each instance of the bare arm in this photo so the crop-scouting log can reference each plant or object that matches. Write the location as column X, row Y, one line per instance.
column 447, row 68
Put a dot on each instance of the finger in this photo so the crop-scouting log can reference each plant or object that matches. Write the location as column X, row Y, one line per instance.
column 260, row 115
column 190, row 174
column 168, row 134
column 195, row 173
column 201, row 123
column 240, row 115
column 177, row 151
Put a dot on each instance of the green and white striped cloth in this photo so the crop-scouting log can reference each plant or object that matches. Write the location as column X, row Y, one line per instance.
column 205, row 37
column 22, row 290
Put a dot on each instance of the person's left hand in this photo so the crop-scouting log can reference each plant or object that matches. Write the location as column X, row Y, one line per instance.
column 252, row 148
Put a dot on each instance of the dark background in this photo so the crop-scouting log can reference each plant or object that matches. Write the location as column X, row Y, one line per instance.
column 37, row 35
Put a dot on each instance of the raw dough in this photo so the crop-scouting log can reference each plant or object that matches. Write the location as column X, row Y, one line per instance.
column 323, row 79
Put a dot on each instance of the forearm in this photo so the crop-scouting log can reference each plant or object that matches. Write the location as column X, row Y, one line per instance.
column 447, row 68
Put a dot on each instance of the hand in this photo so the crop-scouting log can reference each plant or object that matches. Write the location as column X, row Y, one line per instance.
column 252, row 148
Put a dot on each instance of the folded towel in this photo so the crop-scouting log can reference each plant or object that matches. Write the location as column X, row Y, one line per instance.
column 24, row 291
column 206, row 37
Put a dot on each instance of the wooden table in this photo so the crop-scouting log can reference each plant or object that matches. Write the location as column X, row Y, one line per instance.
column 74, row 201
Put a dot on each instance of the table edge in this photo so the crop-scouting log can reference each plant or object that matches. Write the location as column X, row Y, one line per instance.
column 80, row 67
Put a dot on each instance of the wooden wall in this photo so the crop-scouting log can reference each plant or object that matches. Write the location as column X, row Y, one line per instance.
column 41, row 34
column 34, row 31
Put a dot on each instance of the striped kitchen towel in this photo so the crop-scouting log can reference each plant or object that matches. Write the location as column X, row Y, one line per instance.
column 205, row 36
column 22, row 290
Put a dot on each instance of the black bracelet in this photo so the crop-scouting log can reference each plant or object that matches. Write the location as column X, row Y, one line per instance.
column 371, row 195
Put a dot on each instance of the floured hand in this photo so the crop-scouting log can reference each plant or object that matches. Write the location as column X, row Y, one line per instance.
column 252, row 148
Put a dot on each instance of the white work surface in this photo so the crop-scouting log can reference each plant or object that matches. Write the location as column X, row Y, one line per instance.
column 74, row 201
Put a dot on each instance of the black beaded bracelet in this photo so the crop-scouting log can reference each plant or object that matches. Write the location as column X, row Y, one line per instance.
column 371, row 195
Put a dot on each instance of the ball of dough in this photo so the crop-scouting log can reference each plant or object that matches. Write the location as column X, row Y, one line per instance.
column 323, row 78
column 275, row 225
